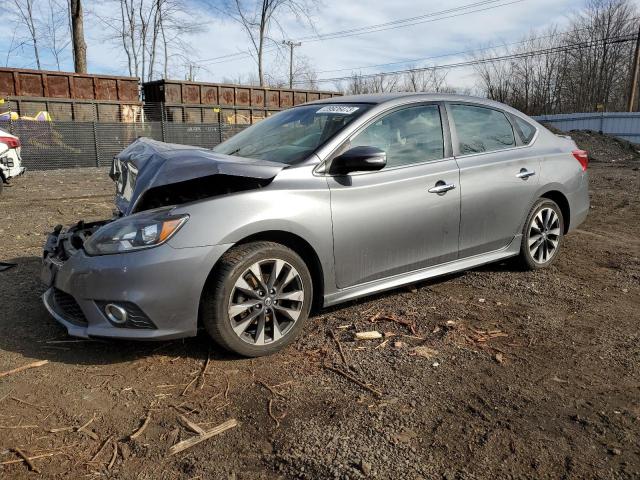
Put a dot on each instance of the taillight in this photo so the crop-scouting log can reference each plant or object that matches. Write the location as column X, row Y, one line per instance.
column 10, row 142
column 582, row 157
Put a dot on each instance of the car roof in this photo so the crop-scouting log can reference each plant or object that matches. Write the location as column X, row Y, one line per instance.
column 402, row 97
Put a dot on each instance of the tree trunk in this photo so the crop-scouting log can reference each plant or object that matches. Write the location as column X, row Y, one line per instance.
column 79, row 45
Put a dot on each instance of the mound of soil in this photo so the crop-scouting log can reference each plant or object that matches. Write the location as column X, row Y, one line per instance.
column 602, row 147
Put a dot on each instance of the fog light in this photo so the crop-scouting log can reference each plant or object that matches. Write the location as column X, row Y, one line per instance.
column 115, row 313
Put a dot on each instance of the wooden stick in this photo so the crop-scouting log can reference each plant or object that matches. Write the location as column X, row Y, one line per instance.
column 26, row 459
column 271, row 413
column 80, row 429
column 115, row 455
column 18, row 426
column 39, row 363
column 271, row 389
column 35, row 457
column 27, row 403
column 2, row 398
column 335, row 339
column 194, row 427
column 354, row 380
column 184, row 392
column 226, row 390
column 142, row 428
column 190, row 442
column 203, row 374
column 102, row 447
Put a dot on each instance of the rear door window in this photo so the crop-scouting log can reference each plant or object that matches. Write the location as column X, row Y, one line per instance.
column 481, row 129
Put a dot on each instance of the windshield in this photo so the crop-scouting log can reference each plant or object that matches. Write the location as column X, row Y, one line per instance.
column 292, row 135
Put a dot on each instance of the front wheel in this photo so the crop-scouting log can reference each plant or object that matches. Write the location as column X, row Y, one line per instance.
column 258, row 299
column 542, row 235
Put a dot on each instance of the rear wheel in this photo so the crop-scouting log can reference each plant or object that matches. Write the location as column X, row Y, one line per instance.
column 258, row 299
column 542, row 235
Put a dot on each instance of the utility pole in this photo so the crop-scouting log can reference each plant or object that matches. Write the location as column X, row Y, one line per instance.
column 291, row 45
column 635, row 73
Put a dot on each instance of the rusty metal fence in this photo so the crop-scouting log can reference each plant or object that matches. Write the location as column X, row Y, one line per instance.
column 48, row 145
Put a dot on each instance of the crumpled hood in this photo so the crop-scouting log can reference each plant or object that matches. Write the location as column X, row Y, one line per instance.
column 147, row 164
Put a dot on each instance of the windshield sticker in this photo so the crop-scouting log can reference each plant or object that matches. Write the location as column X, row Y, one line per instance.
column 340, row 109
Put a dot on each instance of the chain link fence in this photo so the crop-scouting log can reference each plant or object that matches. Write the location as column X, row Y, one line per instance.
column 48, row 145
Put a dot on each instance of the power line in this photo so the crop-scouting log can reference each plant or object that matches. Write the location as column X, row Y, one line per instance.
column 453, row 54
column 560, row 49
column 399, row 23
column 426, row 18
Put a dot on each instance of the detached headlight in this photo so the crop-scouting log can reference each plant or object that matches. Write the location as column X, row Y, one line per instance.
column 134, row 233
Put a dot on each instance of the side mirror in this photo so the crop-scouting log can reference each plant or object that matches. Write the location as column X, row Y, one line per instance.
column 359, row 159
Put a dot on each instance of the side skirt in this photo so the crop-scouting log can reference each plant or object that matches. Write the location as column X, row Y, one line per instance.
column 389, row 283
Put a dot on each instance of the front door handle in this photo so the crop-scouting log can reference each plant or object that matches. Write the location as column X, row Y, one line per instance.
column 524, row 174
column 441, row 187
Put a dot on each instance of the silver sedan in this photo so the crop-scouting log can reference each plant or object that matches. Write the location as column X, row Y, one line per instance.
column 319, row 204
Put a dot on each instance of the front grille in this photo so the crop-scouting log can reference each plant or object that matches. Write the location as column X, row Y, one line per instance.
column 67, row 306
column 136, row 318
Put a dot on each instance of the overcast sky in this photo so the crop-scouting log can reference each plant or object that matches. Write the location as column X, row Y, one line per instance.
column 506, row 23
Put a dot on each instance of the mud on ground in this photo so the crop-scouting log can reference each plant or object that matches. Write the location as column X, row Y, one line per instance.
column 516, row 374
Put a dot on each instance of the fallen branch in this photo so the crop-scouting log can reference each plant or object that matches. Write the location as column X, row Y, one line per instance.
column 190, row 442
column 26, row 459
column 82, row 428
column 379, row 317
column 101, row 449
column 335, row 339
column 271, row 389
column 203, row 373
column 39, row 363
column 142, row 428
column 194, row 427
column 184, row 392
column 35, row 457
column 354, row 380
column 114, row 456
column 275, row 419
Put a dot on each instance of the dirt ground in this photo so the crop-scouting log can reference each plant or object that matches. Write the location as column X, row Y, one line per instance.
column 519, row 374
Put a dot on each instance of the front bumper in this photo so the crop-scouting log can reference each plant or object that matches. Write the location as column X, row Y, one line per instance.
column 164, row 283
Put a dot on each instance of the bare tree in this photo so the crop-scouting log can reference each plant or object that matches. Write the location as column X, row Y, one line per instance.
column 77, row 27
column 25, row 15
column 257, row 18
column 56, row 31
column 151, row 34
column 584, row 68
column 424, row 80
column 415, row 79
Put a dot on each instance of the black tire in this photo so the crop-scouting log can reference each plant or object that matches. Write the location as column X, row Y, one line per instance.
column 220, row 287
column 529, row 260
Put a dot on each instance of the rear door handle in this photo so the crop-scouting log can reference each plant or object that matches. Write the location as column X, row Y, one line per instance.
column 441, row 187
column 524, row 174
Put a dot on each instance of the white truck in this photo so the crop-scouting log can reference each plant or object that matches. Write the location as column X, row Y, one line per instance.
column 10, row 161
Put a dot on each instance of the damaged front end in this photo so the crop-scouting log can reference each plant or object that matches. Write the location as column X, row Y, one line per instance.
column 89, row 271
column 151, row 174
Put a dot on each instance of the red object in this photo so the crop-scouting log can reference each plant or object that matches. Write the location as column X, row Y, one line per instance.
column 583, row 157
column 10, row 142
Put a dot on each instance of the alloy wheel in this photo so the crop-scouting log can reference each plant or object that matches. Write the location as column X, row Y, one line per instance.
column 266, row 301
column 544, row 235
